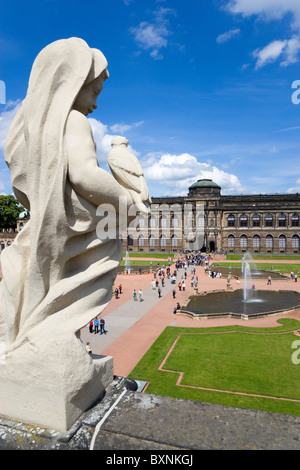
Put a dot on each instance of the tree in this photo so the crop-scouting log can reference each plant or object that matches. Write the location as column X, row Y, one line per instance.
column 10, row 209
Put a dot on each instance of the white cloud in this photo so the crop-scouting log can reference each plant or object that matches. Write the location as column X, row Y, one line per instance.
column 153, row 36
column 228, row 35
column 296, row 188
column 267, row 9
column 178, row 172
column 287, row 49
column 122, row 127
column 103, row 138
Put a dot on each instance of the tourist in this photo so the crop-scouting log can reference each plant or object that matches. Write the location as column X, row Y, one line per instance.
column 96, row 325
column 120, row 288
column 116, row 293
column 134, row 294
column 269, row 280
column 140, row 295
column 88, row 348
column 159, row 292
column 183, row 285
column 91, row 326
column 102, row 326
column 296, row 277
column 174, row 293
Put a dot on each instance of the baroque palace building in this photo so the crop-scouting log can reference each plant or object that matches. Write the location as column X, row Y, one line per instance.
column 208, row 221
column 229, row 224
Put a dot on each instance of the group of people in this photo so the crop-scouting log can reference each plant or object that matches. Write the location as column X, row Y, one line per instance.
column 97, row 326
column 118, row 290
column 137, row 296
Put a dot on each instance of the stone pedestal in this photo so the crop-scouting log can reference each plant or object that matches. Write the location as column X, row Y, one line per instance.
column 51, row 385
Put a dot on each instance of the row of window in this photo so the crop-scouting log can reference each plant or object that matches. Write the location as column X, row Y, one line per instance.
column 268, row 220
column 153, row 241
column 256, row 241
column 257, row 220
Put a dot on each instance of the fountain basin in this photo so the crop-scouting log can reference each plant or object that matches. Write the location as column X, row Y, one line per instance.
column 231, row 304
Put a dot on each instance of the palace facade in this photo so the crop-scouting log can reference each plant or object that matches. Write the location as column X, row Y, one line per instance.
column 267, row 224
column 206, row 220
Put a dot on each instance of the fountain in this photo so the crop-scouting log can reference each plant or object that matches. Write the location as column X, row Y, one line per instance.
column 231, row 304
column 127, row 263
column 247, row 281
column 244, row 303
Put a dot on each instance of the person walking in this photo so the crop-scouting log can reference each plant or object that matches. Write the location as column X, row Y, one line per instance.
column 141, row 295
column 159, row 292
column 88, row 348
column 102, row 326
column 269, row 280
column 134, row 295
column 91, row 326
column 96, row 325
column 174, row 293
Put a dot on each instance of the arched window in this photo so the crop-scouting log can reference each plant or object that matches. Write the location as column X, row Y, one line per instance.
column 129, row 240
column 141, row 240
column 152, row 221
column 256, row 241
column 163, row 221
column 256, row 220
column 142, row 222
column 269, row 220
column 231, row 220
column 152, row 241
column 243, row 241
column 295, row 220
column 282, row 220
column 200, row 220
column 230, row 241
column 295, row 242
column 163, row 241
column 174, row 241
column 269, row 241
column 282, row 241
column 243, row 220
column 175, row 221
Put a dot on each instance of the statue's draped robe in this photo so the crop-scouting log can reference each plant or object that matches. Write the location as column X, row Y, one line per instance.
column 57, row 275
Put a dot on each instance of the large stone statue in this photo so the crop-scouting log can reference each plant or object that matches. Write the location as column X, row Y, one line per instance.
column 58, row 274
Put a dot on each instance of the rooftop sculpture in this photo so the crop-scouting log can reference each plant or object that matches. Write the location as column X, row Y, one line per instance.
column 58, row 274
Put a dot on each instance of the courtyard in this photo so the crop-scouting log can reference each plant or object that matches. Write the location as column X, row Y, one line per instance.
column 143, row 332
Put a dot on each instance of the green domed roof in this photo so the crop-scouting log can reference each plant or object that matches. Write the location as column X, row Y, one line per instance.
column 205, row 183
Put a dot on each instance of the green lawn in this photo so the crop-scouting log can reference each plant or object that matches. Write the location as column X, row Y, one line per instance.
column 266, row 257
column 283, row 268
column 232, row 361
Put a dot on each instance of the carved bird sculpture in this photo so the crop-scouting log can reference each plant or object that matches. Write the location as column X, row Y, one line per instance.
column 129, row 173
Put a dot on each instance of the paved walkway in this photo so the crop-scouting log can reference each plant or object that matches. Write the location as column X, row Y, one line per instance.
column 133, row 326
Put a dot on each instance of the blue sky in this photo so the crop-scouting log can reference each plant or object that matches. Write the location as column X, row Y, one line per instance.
column 200, row 88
